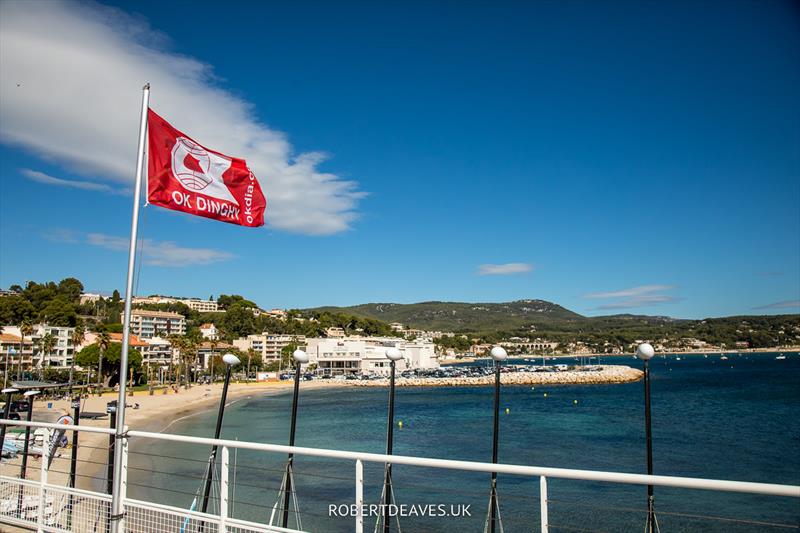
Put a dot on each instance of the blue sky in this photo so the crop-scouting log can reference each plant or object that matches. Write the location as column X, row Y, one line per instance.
column 610, row 157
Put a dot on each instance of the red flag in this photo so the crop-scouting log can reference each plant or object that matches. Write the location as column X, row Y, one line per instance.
column 185, row 176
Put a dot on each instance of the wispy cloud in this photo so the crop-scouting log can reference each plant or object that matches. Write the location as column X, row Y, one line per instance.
column 631, row 292
column 504, row 269
column 161, row 253
column 640, row 296
column 772, row 274
column 62, row 235
column 785, row 304
column 70, row 91
column 41, row 177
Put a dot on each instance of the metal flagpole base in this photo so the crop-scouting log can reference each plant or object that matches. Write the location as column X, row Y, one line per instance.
column 278, row 509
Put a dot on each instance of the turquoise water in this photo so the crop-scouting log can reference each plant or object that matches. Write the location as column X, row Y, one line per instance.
column 735, row 419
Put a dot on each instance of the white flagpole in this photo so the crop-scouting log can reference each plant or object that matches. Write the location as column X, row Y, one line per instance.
column 116, row 493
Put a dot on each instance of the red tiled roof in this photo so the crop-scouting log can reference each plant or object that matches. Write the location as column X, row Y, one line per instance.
column 133, row 340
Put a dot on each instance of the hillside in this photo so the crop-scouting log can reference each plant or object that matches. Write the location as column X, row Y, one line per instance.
column 458, row 316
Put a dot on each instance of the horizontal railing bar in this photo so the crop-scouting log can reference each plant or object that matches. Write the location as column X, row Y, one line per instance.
column 770, row 489
column 449, row 464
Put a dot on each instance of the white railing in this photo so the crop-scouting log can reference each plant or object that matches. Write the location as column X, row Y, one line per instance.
column 89, row 511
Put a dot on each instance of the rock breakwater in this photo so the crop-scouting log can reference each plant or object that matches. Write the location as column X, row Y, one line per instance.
column 606, row 374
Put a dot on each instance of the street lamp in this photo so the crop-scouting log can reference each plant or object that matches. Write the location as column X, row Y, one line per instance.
column 645, row 352
column 300, row 358
column 499, row 355
column 230, row 361
column 393, row 355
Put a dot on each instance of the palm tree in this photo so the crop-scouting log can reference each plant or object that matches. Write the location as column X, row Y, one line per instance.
column 77, row 338
column 189, row 356
column 46, row 345
column 250, row 353
column 103, row 342
column 25, row 329
column 178, row 343
column 214, row 344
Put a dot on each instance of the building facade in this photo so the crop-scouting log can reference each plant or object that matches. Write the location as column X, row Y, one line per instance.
column 209, row 331
column 367, row 355
column 268, row 345
column 202, row 306
column 147, row 324
column 32, row 353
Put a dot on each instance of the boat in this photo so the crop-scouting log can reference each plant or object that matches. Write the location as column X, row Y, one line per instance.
column 724, row 358
column 780, row 357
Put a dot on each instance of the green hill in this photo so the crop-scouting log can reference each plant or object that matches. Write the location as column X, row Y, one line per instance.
column 458, row 316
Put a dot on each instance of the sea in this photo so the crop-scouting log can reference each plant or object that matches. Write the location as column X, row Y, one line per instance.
column 735, row 419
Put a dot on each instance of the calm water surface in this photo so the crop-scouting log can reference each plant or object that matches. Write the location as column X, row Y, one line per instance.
column 735, row 419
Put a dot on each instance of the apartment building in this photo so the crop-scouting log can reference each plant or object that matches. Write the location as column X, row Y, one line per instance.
column 147, row 324
column 59, row 356
column 268, row 345
column 202, row 306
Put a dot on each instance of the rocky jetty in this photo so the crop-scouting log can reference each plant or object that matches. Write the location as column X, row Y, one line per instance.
column 605, row 374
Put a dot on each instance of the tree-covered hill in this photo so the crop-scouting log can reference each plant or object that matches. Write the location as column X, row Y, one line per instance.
column 457, row 316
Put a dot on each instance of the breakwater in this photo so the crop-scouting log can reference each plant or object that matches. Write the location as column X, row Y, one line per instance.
column 603, row 375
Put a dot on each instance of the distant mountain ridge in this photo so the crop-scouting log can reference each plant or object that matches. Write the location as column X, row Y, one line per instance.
column 462, row 316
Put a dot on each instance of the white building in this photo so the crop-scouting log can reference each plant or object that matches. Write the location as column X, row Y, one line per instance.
column 158, row 351
column 202, row 306
column 147, row 324
column 268, row 345
column 209, row 331
column 367, row 355
column 155, row 299
column 90, row 297
column 32, row 356
column 335, row 333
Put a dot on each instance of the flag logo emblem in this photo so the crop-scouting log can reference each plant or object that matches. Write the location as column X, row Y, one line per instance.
column 190, row 162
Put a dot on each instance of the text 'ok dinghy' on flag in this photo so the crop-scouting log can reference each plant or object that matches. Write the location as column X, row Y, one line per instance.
column 185, row 176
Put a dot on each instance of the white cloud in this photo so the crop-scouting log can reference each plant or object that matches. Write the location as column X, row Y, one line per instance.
column 640, row 296
column 70, row 91
column 786, row 304
column 41, row 177
column 631, row 292
column 161, row 253
column 504, row 269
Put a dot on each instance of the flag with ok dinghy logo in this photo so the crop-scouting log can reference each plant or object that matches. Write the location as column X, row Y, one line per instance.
column 186, row 176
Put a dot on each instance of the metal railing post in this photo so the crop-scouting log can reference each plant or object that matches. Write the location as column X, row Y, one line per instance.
column 223, row 489
column 543, row 503
column 42, row 483
column 359, row 496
